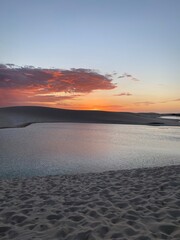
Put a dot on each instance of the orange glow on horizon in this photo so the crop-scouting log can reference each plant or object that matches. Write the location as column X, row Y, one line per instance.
column 81, row 89
column 30, row 97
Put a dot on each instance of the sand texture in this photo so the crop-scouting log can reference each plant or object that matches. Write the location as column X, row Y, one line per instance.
column 23, row 116
column 139, row 204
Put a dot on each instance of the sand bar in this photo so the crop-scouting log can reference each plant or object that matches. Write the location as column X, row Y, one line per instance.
column 139, row 204
column 11, row 117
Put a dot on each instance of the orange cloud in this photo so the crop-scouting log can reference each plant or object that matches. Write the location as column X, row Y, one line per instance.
column 24, row 85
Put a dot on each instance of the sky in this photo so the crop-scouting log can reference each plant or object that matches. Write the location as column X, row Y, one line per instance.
column 112, row 55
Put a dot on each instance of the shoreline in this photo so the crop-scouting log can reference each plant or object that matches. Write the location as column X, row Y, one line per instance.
column 153, row 124
column 128, row 204
column 92, row 174
column 136, row 124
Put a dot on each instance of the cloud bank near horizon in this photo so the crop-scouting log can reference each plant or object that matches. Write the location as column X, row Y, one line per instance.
column 19, row 85
column 47, row 80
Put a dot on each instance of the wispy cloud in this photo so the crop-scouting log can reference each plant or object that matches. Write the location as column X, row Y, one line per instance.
column 172, row 100
column 144, row 103
column 150, row 103
column 123, row 94
column 128, row 76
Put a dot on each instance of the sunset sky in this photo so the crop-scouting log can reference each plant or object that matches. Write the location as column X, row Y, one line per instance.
column 113, row 55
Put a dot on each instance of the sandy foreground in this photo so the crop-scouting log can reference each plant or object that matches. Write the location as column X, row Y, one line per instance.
column 137, row 204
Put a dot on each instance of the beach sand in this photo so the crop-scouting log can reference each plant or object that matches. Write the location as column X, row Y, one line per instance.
column 11, row 117
column 139, row 204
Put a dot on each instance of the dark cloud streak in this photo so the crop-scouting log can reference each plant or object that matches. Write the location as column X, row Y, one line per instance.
column 128, row 76
column 123, row 94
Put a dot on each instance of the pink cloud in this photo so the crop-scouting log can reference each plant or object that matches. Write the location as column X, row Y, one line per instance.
column 22, row 85
column 74, row 80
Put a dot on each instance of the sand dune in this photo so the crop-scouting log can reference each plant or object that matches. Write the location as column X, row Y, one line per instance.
column 139, row 204
column 23, row 116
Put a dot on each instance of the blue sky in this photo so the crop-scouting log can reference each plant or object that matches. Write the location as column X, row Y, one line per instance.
column 140, row 37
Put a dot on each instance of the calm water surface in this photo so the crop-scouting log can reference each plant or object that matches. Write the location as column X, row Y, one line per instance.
column 171, row 117
column 66, row 148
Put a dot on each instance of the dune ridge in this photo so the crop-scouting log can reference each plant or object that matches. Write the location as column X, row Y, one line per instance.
column 26, row 115
column 138, row 204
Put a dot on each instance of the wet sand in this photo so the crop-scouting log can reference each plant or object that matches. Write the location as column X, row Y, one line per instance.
column 139, row 204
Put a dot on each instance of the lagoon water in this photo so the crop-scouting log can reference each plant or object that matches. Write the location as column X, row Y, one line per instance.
column 70, row 148
column 171, row 117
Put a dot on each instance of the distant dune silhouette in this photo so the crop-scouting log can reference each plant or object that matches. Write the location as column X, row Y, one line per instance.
column 26, row 115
